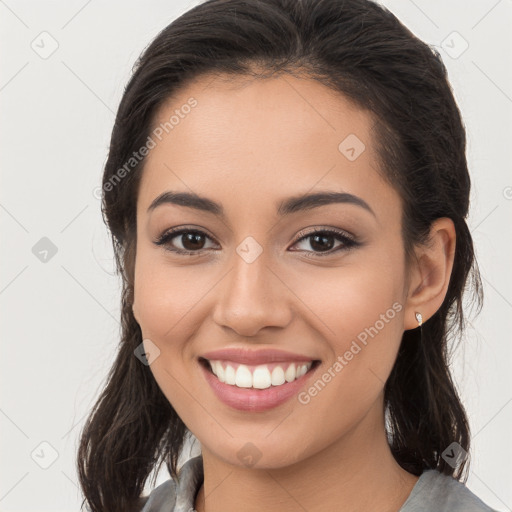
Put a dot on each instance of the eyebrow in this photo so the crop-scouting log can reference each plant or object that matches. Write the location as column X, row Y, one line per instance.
column 289, row 206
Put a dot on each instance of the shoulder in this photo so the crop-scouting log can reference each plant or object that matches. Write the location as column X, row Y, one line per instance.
column 161, row 499
column 442, row 493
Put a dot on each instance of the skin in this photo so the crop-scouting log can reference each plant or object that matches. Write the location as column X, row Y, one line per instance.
column 248, row 145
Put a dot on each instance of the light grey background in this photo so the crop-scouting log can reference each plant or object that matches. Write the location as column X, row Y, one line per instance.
column 60, row 317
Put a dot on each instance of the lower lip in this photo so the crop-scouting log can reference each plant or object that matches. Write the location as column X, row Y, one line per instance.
column 254, row 400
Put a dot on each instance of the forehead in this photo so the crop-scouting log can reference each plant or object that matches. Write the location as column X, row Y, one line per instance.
column 246, row 139
column 285, row 115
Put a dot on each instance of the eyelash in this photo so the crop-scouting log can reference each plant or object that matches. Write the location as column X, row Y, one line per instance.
column 348, row 241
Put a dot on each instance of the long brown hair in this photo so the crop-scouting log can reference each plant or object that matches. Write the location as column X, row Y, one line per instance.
column 359, row 49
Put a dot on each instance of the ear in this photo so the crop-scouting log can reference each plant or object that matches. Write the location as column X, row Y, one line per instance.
column 430, row 273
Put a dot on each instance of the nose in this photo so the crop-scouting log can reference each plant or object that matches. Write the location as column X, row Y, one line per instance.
column 252, row 296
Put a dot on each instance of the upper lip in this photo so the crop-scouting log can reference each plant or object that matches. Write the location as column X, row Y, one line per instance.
column 254, row 357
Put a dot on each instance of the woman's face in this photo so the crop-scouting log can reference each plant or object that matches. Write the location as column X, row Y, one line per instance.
column 259, row 278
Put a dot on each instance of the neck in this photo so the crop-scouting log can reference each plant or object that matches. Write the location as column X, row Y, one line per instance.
column 356, row 473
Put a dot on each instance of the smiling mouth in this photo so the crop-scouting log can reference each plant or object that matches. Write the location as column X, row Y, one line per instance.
column 260, row 376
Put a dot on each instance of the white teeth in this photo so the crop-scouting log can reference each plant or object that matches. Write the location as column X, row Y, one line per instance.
column 260, row 378
column 243, row 377
column 277, row 376
column 290, row 373
column 229, row 375
column 219, row 371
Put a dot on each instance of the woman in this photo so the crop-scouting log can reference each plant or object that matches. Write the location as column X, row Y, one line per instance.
column 286, row 190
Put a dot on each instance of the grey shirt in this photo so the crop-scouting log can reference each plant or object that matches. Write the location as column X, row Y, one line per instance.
column 433, row 492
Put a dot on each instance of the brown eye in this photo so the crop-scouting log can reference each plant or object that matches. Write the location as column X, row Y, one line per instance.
column 191, row 240
column 323, row 241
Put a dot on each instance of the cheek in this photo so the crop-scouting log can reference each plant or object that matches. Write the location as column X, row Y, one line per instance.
column 349, row 299
column 164, row 295
column 359, row 310
column 164, row 299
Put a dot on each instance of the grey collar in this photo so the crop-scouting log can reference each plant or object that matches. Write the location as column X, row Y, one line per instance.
column 190, row 478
